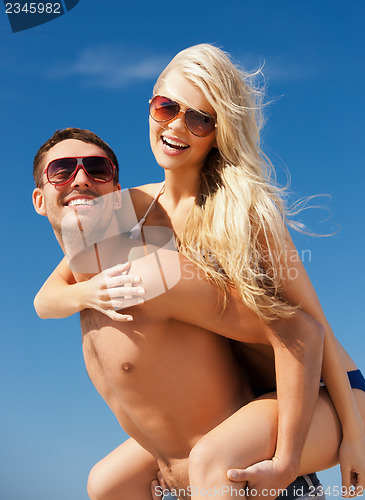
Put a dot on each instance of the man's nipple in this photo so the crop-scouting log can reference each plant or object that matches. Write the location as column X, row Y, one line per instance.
column 127, row 367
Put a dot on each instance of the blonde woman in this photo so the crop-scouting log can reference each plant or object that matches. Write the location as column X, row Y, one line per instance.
column 229, row 220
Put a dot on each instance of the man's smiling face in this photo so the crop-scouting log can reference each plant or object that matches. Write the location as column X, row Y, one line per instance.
column 80, row 194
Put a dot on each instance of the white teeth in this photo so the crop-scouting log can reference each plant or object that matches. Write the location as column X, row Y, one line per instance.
column 80, row 201
column 173, row 143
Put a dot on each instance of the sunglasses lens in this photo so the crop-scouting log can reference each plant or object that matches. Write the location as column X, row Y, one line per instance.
column 60, row 171
column 98, row 168
column 200, row 124
column 163, row 109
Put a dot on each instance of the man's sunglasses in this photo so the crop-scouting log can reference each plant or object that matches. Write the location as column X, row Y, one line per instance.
column 63, row 170
column 163, row 109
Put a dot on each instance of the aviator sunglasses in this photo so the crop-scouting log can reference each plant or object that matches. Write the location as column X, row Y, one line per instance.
column 63, row 170
column 163, row 109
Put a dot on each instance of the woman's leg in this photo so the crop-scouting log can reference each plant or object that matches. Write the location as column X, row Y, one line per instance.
column 125, row 474
column 249, row 437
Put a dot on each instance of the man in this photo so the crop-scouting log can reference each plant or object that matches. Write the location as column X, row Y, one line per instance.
column 158, row 372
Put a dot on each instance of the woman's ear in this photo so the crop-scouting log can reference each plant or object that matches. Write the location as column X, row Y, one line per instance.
column 38, row 201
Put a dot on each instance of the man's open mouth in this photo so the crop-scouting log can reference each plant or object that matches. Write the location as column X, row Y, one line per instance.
column 81, row 202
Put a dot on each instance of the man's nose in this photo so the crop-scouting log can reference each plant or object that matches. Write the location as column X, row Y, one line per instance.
column 81, row 178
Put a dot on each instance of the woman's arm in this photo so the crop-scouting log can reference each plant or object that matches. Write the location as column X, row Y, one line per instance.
column 298, row 354
column 62, row 296
column 58, row 297
column 297, row 343
column 298, row 290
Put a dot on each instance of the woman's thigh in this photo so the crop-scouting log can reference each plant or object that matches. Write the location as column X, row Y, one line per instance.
column 324, row 438
column 249, row 436
column 125, row 474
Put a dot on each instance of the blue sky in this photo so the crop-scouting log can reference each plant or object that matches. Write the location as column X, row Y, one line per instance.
column 94, row 68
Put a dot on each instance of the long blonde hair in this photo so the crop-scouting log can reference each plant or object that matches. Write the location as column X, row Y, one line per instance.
column 238, row 220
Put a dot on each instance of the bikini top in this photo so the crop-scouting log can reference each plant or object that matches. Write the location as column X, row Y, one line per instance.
column 136, row 231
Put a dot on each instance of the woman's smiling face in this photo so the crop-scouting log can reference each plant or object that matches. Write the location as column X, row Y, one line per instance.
column 173, row 145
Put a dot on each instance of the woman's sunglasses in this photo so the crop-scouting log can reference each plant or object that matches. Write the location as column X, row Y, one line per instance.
column 63, row 170
column 163, row 109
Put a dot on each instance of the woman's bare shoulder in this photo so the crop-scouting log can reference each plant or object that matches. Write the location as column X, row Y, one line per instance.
column 146, row 188
column 142, row 195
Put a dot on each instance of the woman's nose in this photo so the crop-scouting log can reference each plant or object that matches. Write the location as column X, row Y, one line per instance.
column 178, row 122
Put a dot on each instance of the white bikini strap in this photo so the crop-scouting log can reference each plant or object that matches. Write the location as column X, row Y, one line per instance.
column 141, row 222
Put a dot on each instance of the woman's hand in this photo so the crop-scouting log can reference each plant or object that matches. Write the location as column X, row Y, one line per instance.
column 111, row 290
column 352, row 462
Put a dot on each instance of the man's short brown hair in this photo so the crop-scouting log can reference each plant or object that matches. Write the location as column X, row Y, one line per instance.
column 72, row 133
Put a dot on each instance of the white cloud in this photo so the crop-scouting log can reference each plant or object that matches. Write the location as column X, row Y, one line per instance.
column 280, row 72
column 109, row 67
column 277, row 71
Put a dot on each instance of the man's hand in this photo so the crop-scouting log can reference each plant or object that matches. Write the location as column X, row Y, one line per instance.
column 158, row 486
column 265, row 479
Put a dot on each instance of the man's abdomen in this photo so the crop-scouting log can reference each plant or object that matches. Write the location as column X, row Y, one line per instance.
column 167, row 382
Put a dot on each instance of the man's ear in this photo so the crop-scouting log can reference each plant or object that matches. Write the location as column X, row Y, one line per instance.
column 117, row 198
column 38, row 201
